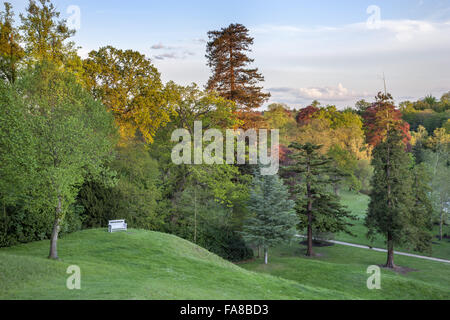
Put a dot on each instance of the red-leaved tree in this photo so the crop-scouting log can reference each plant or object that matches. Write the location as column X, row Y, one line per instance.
column 381, row 117
column 305, row 115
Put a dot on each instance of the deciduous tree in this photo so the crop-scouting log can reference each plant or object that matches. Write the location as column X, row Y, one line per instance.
column 130, row 87
column 11, row 52
column 73, row 136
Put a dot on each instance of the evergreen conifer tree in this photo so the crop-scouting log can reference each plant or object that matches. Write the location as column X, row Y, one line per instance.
column 317, row 207
column 273, row 217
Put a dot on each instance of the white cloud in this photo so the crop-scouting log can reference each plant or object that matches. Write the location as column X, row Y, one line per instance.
column 327, row 94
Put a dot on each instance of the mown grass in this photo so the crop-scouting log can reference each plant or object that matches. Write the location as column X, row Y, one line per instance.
column 138, row 265
column 344, row 269
column 148, row 265
column 358, row 203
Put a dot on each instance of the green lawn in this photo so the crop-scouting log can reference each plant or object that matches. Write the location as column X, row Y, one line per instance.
column 358, row 203
column 149, row 265
column 137, row 265
column 344, row 269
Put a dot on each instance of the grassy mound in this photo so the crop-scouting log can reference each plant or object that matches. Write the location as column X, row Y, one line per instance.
column 138, row 265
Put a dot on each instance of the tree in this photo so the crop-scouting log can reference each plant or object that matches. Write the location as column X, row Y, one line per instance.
column 232, row 79
column 346, row 164
column 46, row 36
column 317, row 208
column 11, row 53
column 272, row 218
column 437, row 160
column 191, row 104
column 130, row 86
column 16, row 154
column 391, row 198
column 421, row 211
column 381, row 117
column 133, row 195
column 361, row 106
column 278, row 116
column 305, row 115
column 73, row 136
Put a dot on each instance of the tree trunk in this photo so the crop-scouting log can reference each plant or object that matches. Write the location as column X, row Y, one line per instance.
column 310, row 251
column 266, row 255
column 54, row 238
column 390, row 243
column 441, row 224
column 6, row 218
column 258, row 252
column 195, row 216
column 390, row 254
column 336, row 189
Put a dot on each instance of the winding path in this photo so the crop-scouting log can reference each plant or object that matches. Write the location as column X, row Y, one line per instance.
column 382, row 250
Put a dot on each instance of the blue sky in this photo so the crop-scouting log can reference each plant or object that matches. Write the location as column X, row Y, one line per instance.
column 325, row 50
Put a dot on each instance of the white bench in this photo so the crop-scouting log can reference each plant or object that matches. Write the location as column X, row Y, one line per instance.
column 117, row 225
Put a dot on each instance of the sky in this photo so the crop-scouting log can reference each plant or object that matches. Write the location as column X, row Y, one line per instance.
column 327, row 50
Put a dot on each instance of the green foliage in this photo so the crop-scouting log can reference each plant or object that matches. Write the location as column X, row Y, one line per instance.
column 317, row 208
column 272, row 217
column 399, row 208
column 391, row 189
column 421, row 211
column 346, row 163
column 46, row 36
column 429, row 119
column 130, row 87
column 16, row 146
column 437, row 160
column 11, row 53
column 72, row 136
column 200, row 219
column 133, row 197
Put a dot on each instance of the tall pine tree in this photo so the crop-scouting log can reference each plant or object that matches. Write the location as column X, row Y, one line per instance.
column 273, row 217
column 391, row 198
column 232, row 78
column 318, row 208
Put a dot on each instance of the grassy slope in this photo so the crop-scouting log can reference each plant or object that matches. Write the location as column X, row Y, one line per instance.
column 138, row 265
column 357, row 203
column 344, row 269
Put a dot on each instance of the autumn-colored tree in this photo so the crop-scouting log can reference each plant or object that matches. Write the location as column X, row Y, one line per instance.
column 381, row 117
column 305, row 115
column 11, row 53
column 130, row 86
column 232, row 78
